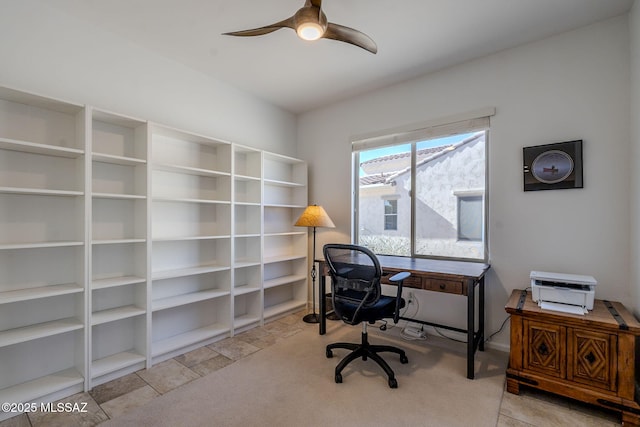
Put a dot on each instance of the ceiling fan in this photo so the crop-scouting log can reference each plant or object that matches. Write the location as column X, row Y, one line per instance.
column 310, row 23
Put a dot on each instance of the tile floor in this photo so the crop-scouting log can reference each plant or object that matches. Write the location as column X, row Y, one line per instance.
column 111, row 399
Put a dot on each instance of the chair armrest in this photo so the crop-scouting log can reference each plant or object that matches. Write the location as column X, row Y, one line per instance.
column 398, row 278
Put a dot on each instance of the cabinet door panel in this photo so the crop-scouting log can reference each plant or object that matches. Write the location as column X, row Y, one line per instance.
column 592, row 358
column 545, row 351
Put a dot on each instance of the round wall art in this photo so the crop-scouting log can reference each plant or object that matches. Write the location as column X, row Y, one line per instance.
column 553, row 166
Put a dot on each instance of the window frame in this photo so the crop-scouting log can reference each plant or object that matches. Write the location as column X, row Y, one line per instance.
column 414, row 134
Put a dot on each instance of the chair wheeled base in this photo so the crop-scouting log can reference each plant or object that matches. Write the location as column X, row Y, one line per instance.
column 366, row 351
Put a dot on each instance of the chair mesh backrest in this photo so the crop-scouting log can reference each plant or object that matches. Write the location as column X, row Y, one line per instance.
column 355, row 272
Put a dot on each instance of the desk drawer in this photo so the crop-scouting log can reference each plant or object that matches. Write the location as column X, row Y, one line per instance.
column 409, row 282
column 442, row 285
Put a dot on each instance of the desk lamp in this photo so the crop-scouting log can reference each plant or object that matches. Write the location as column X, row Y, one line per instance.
column 314, row 216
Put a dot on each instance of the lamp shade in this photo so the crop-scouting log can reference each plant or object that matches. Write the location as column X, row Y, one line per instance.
column 314, row 216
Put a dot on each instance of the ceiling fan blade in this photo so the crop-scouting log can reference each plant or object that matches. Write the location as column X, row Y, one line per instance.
column 287, row 23
column 349, row 35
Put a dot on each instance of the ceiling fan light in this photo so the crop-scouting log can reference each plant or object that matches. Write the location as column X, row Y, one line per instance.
column 310, row 31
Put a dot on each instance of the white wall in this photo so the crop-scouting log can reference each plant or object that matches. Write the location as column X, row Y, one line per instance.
column 571, row 86
column 634, row 26
column 52, row 54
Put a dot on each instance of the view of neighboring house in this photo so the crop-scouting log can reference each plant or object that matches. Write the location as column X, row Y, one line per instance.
column 450, row 184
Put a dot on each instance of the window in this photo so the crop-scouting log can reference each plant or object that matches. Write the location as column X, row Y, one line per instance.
column 390, row 214
column 432, row 184
column 470, row 222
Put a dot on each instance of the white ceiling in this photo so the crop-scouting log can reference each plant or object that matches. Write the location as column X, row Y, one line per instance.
column 414, row 37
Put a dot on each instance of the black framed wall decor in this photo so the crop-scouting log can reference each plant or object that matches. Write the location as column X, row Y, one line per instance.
column 553, row 166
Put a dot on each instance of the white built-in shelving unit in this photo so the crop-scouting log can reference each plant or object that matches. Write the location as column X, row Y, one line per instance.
column 124, row 243
column 118, row 245
column 247, row 240
column 191, row 232
column 42, row 247
column 284, row 181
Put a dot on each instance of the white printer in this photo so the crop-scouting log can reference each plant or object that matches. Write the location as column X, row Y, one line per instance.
column 569, row 293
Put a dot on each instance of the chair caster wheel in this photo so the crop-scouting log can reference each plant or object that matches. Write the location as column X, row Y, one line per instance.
column 393, row 383
column 338, row 378
column 404, row 359
column 329, row 354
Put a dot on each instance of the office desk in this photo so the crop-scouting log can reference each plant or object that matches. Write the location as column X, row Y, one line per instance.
column 452, row 277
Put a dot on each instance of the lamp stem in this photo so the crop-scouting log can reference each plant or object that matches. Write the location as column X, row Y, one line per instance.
column 313, row 317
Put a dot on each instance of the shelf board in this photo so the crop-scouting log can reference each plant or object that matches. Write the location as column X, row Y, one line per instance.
column 116, row 119
column 244, row 203
column 39, row 330
column 286, row 160
column 39, row 292
column 240, row 177
column 31, row 99
column 113, row 282
column 35, row 245
column 30, row 391
column 116, row 241
column 245, row 289
column 36, row 148
column 181, row 238
column 246, row 235
column 184, row 299
column 40, row 192
column 190, row 200
column 117, row 160
column 282, row 205
column 189, row 170
column 282, row 183
column 118, row 196
column 276, row 309
column 192, row 271
column 114, row 314
column 281, row 258
column 284, row 280
column 243, row 264
column 245, row 320
column 187, row 338
column 285, row 233
column 187, row 136
column 115, row 362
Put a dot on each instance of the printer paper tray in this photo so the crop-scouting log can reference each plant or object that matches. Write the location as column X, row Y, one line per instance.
column 565, row 308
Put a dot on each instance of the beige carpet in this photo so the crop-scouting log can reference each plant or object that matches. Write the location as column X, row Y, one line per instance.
column 292, row 384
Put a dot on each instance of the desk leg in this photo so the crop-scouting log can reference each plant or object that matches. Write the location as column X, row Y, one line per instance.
column 471, row 304
column 481, row 314
column 322, row 304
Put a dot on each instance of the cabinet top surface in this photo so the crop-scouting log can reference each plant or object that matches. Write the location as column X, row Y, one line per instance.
column 600, row 316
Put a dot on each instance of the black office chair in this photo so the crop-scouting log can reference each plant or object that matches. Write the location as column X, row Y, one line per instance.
column 357, row 298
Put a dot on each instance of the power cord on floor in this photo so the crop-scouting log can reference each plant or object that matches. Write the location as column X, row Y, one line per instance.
column 421, row 334
column 409, row 333
column 499, row 329
column 418, row 335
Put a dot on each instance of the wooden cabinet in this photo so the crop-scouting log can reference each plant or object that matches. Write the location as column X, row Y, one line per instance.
column 124, row 243
column 591, row 358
